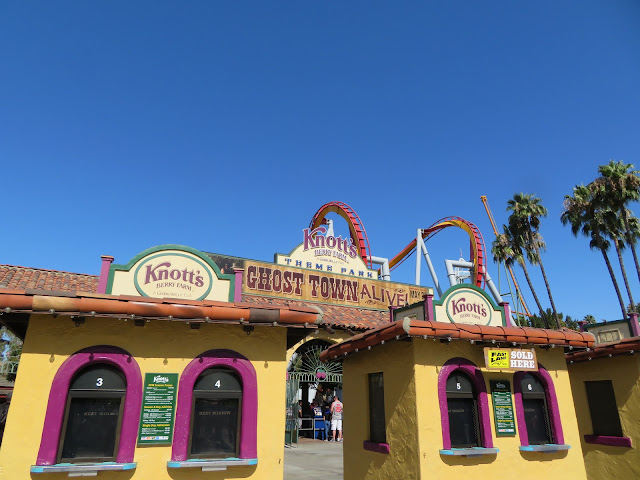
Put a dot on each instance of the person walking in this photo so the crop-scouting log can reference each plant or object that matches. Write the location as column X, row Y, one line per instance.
column 336, row 418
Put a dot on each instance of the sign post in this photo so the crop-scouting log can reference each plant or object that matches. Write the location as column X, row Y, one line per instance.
column 503, row 408
column 158, row 409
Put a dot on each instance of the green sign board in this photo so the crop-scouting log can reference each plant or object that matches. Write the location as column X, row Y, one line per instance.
column 503, row 408
column 158, row 408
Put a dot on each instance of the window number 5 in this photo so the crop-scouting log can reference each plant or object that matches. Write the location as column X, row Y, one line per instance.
column 458, row 386
column 217, row 384
column 99, row 382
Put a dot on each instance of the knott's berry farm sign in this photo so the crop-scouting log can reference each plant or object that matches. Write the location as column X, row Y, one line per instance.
column 468, row 304
column 171, row 271
column 327, row 253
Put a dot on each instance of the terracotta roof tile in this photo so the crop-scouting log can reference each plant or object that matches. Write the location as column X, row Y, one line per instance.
column 626, row 346
column 444, row 331
column 24, row 278
column 331, row 315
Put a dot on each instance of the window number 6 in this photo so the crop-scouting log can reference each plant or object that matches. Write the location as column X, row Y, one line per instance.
column 458, row 386
column 529, row 387
column 99, row 382
column 217, row 385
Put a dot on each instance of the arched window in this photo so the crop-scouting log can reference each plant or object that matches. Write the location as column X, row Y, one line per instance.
column 536, row 412
column 103, row 382
column 93, row 415
column 223, row 384
column 216, row 415
column 463, row 411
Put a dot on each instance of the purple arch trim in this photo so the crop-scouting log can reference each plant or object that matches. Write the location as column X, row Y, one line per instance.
column 48, row 453
column 474, row 373
column 249, row 423
column 552, row 402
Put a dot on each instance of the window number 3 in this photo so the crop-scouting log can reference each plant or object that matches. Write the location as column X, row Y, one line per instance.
column 458, row 386
column 99, row 382
column 217, row 385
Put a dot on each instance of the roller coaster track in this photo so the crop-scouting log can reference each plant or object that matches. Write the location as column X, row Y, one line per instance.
column 356, row 228
column 476, row 245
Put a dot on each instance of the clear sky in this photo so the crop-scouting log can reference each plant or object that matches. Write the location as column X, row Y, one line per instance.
column 224, row 126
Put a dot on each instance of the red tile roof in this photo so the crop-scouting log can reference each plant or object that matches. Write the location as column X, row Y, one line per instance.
column 84, row 304
column 449, row 331
column 12, row 276
column 332, row 315
column 626, row 346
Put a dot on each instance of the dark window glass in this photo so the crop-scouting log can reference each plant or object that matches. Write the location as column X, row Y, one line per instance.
column 462, row 422
column 463, row 414
column 216, row 414
column 92, row 424
column 535, row 417
column 93, row 415
column 377, row 428
column 215, row 427
column 536, row 413
column 603, row 408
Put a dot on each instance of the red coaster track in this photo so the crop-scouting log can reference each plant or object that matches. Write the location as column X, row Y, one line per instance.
column 358, row 233
column 476, row 245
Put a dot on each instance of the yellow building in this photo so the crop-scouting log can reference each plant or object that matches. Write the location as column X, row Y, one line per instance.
column 606, row 391
column 427, row 397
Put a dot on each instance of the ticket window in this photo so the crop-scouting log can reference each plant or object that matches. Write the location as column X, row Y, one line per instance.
column 215, row 415
column 93, row 415
column 463, row 411
column 536, row 411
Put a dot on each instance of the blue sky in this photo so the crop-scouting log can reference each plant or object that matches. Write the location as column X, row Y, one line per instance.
column 224, row 126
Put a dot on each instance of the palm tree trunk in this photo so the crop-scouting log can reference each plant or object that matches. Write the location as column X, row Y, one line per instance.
column 535, row 297
column 624, row 274
column 546, row 282
column 615, row 282
column 630, row 241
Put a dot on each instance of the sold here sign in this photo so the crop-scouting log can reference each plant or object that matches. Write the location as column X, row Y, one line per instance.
column 514, row 359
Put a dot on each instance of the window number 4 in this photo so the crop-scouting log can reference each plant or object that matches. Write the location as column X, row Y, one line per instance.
column 217, row 385
column 99, row 382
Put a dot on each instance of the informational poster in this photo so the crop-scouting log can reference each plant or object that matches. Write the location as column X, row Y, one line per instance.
column 158, row 409
column 503, row 408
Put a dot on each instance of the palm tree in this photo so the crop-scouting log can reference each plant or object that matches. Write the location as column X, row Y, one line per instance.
column 504, row 249
column 524, row 224
column 581, row 213
column 620, row 186
column 615, row 230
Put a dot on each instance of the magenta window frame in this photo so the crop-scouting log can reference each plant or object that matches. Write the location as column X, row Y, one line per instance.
column 48, row 453
column 249, row 419
column 482, row 399
column 552, row 404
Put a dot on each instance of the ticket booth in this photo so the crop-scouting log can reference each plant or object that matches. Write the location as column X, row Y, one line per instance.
column 450, row 389
column 166, row 376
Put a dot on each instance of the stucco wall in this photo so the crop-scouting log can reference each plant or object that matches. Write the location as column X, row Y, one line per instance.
column 414, row 431
column 394, row 360
column 510, row 462
column 161, row 347
column 604, row 461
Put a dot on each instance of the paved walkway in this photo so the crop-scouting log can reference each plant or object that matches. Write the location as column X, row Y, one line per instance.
column 313, row 460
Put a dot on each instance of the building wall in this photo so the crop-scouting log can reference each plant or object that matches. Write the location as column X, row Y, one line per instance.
column 395, row 361
column 510, row 462
column 414, row 430
column 604, row 461
column 158, row 347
